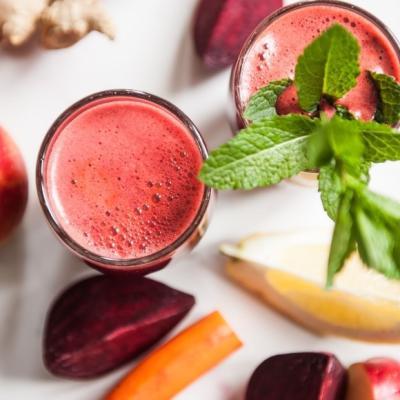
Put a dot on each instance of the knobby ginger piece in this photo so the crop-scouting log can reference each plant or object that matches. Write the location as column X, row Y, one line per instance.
column 19, row 19
column 65, row 22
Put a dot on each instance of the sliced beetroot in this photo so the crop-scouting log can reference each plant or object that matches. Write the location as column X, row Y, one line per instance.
column 102, row 322
column 222, row 26
column 298, row 376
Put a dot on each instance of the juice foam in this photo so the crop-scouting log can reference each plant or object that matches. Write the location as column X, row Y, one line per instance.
column 121, row 177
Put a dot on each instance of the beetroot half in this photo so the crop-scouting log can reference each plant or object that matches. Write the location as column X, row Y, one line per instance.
column 298, row 376
column 104, row 321
column 222, row 26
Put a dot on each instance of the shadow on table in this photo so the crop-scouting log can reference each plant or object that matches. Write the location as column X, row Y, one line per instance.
column 215, row 129
column 33, row 269
column 189, row 69
column 239, row 393
column 27, row 50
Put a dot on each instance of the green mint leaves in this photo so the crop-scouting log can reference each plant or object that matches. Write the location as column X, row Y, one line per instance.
column 370, row 223
column 343, row 242
column 261, row 155
column 389, row 98
column 336, row 138
column 274, row 147
column 330, row 187
column 262, row 104
column 382, row 142
column 377, row 221
column 364, row 220
column 328, row 67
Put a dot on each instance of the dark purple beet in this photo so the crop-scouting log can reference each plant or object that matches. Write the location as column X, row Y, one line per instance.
column 298, row 376
column 222, row 26
column 104, row 321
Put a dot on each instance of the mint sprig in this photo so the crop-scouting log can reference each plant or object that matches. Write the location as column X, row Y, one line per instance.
column 388, row 110
column 328, row 67
column 336, row 138
column 343, row 148
column 261, row 155
column 370, row 223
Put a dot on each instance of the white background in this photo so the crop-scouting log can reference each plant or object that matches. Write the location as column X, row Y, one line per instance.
column 153, row 52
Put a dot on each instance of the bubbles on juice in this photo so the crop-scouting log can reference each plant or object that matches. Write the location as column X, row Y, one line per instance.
column 138, row 210
column 156, row 197
column 159, row 205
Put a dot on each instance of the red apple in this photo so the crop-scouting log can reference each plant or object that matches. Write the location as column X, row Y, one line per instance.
column 13, row 185
column 375, row 379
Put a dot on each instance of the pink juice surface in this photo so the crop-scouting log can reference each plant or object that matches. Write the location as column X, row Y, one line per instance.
column 121, row 177
column 274, row 53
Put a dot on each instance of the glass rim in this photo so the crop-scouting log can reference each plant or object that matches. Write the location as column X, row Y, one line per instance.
column 82, row 252
column 237, row 68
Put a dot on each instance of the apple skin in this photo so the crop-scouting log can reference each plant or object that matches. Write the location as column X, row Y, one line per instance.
column 13, row 185
column 375, row 379
column 298, row 376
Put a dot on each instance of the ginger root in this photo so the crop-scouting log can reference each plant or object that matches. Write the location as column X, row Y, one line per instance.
column 65, row 22
column 19, row 19
column 61, row 22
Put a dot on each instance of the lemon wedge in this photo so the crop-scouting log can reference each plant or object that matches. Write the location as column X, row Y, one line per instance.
column 288, row 271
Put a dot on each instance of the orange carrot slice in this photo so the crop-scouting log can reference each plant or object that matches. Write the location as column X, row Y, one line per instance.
column 179, row 362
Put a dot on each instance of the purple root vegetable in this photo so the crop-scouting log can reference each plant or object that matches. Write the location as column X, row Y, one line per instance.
column 222, row 26
column 102, row 322
column 298, row 376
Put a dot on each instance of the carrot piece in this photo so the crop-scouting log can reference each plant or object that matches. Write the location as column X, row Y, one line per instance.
column 179, row 362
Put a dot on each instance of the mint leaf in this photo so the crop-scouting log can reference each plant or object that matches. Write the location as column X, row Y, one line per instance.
column 319, row 149
column 370, row 221
column 338, row 138
column 328, row 67
column 343, row 242
column 262, row 104
column 346, row 142
column 343, row 112
column 382, row 144
column 388, row 110
column 350, row 140
column 331, row 188
column 260, row 155
column 387, row 209
column 376, row 243
column 377, row 228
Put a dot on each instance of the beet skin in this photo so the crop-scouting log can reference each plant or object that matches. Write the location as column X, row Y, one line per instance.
column 222, row 26
column 104, row 321
column 298, row 376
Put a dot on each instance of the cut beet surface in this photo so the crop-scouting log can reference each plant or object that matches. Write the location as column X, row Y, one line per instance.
column 222, row 26
column 298, row 376
column 102, row 322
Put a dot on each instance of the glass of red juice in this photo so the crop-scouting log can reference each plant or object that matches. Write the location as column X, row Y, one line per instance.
column 117, row 180
column 272, row 50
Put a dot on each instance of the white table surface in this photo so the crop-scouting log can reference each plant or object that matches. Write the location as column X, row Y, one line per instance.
column 153, row 52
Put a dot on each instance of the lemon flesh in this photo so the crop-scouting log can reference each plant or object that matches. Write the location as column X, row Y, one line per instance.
column 289, row 270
